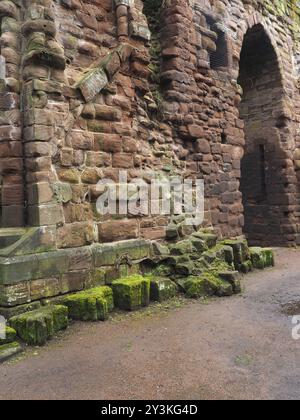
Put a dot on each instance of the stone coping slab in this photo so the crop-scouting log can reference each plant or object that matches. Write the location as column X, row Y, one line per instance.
column 20, row 268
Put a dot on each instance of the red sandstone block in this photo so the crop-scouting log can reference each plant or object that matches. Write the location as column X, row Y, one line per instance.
column 37, row 149
column 81, row 140
column 12, row 195
column 122, row 160
column 75, row 235
column 10, row 133
column 154, row 233
column 11, row 165
column 11, row 149
column 195, row 131
column 111, row 143
column 87, row 20
column 107, row 113
column 118, row 230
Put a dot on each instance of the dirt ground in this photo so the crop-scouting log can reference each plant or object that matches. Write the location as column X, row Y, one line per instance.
column 232, row 348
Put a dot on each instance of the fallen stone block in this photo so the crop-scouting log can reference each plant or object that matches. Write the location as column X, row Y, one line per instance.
column 233, row 278
column 10, row 336
column 205, row 286
column 132, row 292
column 38, row 326
column 90, row 305
column 257, row 258
column 182, row 248
column 240, row 251
column 246, row 267
column 209, row 239
column 262, row 257
column 162, row 289
column 269, row 257
column 9, row 350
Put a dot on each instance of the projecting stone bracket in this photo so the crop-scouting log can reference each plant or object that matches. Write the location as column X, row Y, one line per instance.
column 97, row 78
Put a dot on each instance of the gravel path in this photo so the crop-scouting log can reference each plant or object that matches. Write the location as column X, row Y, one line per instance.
column 232, row 348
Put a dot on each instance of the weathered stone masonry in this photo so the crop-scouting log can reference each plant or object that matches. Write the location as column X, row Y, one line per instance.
column 213, row 92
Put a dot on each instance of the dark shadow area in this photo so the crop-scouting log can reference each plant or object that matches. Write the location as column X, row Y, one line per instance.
column 264, row 182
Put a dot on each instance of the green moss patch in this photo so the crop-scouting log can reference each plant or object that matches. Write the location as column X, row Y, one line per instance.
column 131, row 293
column 196, row 287
column 219, row 281
column 90, row 305
column 38, row 326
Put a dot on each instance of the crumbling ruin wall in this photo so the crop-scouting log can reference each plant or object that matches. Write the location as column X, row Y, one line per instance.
column 201, row 51
column 98, row 95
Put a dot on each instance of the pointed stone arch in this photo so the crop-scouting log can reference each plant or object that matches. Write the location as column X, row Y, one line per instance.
column 266, row 177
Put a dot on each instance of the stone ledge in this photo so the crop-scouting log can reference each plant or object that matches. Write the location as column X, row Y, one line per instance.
column 20, row 268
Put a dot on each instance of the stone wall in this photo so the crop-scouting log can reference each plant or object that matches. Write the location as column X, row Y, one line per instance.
column 98, row 94
column 203, row 102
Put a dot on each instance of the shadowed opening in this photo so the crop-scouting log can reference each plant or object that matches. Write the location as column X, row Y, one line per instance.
column 263, row 179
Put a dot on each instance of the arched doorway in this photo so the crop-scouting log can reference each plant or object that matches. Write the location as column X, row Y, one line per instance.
column 263, row 177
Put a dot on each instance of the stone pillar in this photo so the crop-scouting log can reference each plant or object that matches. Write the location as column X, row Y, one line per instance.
column 11, row 150
column 43, row 76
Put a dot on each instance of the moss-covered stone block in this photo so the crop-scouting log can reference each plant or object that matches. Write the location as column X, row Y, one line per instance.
column 262, row 257
column 233, row 278
column 132, row 292
column 8, row 350
column 199, row 244
column 224, row 288
column 162, row 289
column 182, row 248
column 269, row 257
column 210, row 239
column 240, row 251
column 10, row 336
column 90, row 305
column 38, row 326
column 206, row 285
column 246, row 267
column 196, row 287
column 257, row 258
